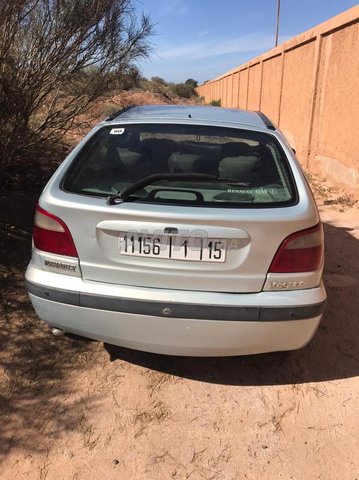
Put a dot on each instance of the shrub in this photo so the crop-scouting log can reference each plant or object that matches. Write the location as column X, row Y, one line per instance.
column 56, row 58
column 184, row 90
column 191, row 82
column 159, row 80
column 110, row 109
column 199, row 99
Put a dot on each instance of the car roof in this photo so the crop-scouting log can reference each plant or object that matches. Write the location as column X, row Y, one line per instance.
column 191, row 113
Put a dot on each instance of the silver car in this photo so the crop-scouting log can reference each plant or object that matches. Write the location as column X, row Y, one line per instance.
column 180, row 230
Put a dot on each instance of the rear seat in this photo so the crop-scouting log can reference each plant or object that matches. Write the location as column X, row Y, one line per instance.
column 186, row 160
column 246, row 163
column 244, row 168
column 239, row 161
column 132, row 159
column 236, row 160
column 157, row 151
column 180, row 162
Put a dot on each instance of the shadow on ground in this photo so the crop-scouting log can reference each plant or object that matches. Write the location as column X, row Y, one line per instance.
column 332, row 354
column 35, row 367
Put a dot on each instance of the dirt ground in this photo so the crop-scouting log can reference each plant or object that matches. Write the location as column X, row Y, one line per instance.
column 75, row 409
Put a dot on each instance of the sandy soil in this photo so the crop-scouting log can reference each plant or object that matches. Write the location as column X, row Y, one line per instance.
column 75, row 409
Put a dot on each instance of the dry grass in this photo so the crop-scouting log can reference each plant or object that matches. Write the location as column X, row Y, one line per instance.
column 328, row 194
column 157, row 380
column 156, row 413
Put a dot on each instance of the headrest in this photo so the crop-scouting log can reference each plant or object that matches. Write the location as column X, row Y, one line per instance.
column 241, row 168
column 182, row 162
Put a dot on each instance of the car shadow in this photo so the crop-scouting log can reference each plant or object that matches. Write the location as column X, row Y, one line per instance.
column 331, row 355
column 35, row 368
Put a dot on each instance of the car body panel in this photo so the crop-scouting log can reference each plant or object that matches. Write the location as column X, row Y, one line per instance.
column 156, row 328
column 241, row 281
column 178, row 336
column 247, row 263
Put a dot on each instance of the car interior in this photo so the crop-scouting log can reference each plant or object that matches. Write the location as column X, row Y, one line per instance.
column 113, row 162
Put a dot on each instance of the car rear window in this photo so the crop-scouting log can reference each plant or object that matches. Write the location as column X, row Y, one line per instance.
column 247, row 168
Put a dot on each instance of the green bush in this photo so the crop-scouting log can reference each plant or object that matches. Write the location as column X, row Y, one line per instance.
column 110, row 109
column 169, row 89
column 184, row 90
column 159, row 80
column 199, row 99
column 57, row 58
column 215, row 103
column 192, row 82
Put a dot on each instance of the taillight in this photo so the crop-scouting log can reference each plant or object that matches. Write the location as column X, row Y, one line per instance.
column 300, row 252
column 52, row 235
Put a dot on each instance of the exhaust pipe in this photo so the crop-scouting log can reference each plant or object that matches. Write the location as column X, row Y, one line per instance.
column 57, row 332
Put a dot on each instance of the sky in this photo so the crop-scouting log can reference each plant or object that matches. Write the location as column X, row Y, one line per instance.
column 202, row 39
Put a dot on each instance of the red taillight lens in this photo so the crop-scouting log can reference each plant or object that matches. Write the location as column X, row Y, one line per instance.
column 52, row 235
column 300, row 252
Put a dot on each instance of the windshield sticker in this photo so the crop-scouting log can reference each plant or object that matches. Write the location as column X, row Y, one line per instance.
column 117, row 131
column 258, row 191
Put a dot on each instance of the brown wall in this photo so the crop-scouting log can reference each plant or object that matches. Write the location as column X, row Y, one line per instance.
column 309, row 86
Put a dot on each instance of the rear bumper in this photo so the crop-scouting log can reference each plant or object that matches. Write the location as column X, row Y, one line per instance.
column 177, row 322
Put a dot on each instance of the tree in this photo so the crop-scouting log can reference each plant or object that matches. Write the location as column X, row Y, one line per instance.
column 159, row 80
column 56, row 58
column 129, row 78
column 191, row 82
column 186, row 90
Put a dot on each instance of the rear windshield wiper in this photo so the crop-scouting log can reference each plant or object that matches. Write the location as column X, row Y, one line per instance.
column 123, row 196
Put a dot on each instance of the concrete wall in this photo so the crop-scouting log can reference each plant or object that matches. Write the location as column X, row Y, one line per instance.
column 309, row 86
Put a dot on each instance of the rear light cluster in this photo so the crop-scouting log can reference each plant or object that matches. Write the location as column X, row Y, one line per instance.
column 300, row 252
column 52, row 235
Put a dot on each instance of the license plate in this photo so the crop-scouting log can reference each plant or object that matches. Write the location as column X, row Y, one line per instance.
column 173, row 247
